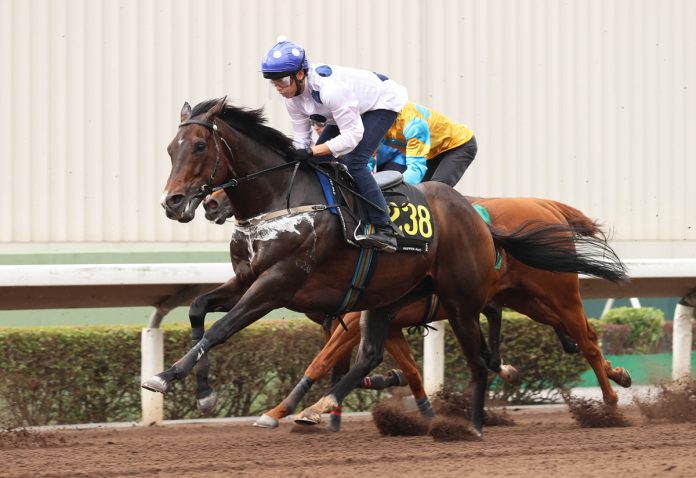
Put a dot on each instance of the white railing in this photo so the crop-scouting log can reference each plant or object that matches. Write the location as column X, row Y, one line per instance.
column 166, row 286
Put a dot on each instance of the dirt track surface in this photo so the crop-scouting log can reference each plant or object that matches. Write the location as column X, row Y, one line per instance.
column 543, row 442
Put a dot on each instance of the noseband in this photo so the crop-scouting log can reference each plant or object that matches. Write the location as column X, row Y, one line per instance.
column 208, row 188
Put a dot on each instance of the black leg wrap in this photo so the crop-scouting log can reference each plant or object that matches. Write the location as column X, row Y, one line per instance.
column 393, row 378
column 335, row 420
column 375, row 382
column 297, row 393
column 425, row 408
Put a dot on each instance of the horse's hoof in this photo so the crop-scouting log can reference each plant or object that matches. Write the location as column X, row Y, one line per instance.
column 428, row 413
column 308, row 417
column 509, row 374
column 156, row 384
column 266, row 421
column 624, row 379
column 396, row 378
column 206, row 405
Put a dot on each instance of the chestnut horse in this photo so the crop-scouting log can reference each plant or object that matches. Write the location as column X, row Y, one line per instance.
column 548, row 298
column 287, row 251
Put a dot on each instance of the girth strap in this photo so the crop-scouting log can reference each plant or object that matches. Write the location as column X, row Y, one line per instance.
column 423, row 326
column 361, row 276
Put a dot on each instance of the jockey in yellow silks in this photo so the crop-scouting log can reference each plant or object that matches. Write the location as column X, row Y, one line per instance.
column 436, row 148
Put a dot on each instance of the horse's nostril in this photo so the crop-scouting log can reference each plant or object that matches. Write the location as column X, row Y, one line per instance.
column 174, row 200
column 212, row 205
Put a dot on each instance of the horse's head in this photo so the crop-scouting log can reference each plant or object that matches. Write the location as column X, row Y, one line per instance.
column 220, row 144
column 197, row 153
column 218, row 207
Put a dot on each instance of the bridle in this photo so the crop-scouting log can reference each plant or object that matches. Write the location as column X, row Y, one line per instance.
column 208, row 187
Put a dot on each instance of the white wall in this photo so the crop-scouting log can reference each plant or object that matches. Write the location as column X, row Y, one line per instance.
column 592, row 102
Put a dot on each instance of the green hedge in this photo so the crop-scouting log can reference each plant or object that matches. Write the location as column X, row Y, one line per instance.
column 91, row 374
column 645, row 325
column 627, row 330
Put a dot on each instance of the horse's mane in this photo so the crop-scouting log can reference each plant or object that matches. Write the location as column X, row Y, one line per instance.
column 251, row 123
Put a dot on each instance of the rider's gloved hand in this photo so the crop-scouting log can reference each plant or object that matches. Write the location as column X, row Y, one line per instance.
column 302, row 154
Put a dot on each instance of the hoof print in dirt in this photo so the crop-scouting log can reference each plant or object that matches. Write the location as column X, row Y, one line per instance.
column 392, row 420
column 452, row 429
column 595, row 414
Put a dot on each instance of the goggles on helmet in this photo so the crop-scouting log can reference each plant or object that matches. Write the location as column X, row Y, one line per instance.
column 282, row 82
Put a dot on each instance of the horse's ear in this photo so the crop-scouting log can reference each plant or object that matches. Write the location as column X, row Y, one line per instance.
column 185, row 112
column 217, row 109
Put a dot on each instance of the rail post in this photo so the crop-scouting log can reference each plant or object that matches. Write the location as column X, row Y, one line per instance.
column 151, row 363
column 434, row 359
column 152, row 353
column 682, row 336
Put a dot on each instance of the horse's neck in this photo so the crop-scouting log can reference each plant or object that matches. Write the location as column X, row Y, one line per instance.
column 269, row 192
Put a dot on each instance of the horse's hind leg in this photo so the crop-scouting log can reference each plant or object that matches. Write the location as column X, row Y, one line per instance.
column 619, row 375
column 494, row 314
column 565, row 311
column 569, row 346
column 465, row 325
column 374, row 325
column 398, row 348
column 491, row 354
column 581, row 331
column 221, row 299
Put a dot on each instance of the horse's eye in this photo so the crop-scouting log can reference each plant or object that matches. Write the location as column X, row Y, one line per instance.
column 200, row 146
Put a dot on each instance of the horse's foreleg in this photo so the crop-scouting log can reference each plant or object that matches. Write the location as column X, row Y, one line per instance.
column 221, row 299
column 339, row 345
column 339, row 370
column 261, row 298
column 373, row 328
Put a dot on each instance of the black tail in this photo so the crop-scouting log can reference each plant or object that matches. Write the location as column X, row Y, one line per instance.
column 562, row 248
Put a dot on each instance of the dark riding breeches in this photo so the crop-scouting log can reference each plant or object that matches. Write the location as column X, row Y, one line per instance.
column 449, row 167
column 376, row 124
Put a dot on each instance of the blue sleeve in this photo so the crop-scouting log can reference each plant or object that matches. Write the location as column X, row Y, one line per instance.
column 387, row 154
column 416, row 168
column 417, row 135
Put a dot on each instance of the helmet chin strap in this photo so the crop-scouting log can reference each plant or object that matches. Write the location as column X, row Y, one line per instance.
column 298, row 84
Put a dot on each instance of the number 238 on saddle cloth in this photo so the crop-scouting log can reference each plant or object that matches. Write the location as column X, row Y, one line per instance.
column 408, row 209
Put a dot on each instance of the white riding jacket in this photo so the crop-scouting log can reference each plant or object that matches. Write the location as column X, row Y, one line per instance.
column 341, row 95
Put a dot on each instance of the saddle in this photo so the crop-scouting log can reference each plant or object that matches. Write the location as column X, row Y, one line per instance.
column 408, row 208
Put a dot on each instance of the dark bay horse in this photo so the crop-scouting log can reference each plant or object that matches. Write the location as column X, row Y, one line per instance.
column 287, row 251
column 548, row 298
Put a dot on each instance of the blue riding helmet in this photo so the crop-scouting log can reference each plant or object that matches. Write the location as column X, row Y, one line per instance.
column 285, row 58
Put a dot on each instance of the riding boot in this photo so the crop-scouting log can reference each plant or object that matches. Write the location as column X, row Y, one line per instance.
column 379, row 236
